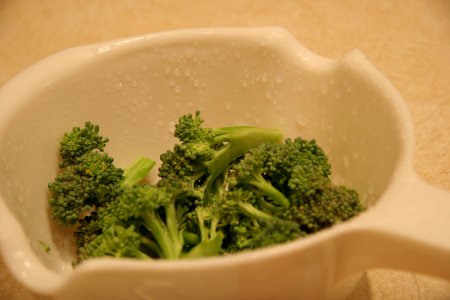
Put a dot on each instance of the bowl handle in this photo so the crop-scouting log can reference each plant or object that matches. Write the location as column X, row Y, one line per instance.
column 409, row 229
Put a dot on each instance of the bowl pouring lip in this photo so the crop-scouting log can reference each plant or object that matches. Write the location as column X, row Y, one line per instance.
column 20, row 89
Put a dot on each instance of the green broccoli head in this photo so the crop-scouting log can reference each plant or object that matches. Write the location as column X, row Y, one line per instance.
column 206, row 153
column 155, row 210
column 253, row 234
column 248, row 173
column 190, row 129
column 332, row 205
column 80, row 187
column 79, row 142
column 115, row 241
column 88, row 178
column 280, row 160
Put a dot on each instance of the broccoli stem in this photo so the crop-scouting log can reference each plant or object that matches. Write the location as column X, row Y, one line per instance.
column 190, row 238
column 168, row 237
column 137, row 171
column 151, row 245
column 238, row 140
column 209, row 247
column 265, row 188
column 252, row 212
column 142, row 255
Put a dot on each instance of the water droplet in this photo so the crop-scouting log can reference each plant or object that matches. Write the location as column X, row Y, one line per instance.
column 278, row 79
column 301, row 120
column 119, row 86
column 228, row 106
column 353, row 110
column 177, row 89
column 244, row 83
column 171, row 127
column 264, row 77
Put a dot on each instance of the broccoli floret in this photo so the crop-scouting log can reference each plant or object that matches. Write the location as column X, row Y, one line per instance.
column 205, row 153
column 88, row 178
column 149, row 210
column 279, row 160
column 201, row 160
column 259, row 233
column 80, row 141
column 332, row 205
column 93, row 180
column 115, row 241
column 249, row 173
column 293, row 180
column 155, row 210
column 211, row 238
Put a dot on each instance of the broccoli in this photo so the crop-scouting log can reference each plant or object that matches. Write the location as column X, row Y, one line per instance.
column 88, row 177
column 205, row 153
column 297, row 172
column 154, row 210
column 201, row 159
column 220, row 191
column 115, row 241
column 259, row 233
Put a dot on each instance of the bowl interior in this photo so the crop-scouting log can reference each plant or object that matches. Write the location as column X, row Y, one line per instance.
column 136, row 90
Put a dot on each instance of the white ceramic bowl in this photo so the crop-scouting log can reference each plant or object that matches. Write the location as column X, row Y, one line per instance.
column 136, row 88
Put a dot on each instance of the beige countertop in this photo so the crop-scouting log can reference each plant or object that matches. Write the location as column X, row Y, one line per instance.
column 409, row 41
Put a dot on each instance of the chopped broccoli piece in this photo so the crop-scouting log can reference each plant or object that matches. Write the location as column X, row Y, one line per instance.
column 45, row 246
column 92, row 180
column 88, row 178
column 205, row 153
column 154, row 209
column 115, row 241
column 81, row 141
